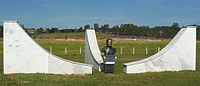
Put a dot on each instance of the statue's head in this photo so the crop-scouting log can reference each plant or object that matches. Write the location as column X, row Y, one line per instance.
column 109, row 42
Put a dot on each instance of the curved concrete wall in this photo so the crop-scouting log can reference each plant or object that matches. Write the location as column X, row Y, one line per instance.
column 21, row 54
column 179, row 54
column 92, row 53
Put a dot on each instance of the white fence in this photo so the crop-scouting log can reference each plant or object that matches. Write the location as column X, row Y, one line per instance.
column 121, row 52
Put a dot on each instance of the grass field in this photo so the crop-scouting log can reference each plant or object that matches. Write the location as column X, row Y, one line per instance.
column 118, row 78
column 76, row 35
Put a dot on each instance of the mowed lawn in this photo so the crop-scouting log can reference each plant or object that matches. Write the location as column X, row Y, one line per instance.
column 74, row 35
column 118, row 78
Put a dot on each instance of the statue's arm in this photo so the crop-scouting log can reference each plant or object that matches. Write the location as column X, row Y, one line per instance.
column 115, row 50
column 103, row 51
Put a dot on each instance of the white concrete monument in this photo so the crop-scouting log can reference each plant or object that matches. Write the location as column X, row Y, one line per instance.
column 21, row 54
column 92, row 53
column 179, row 54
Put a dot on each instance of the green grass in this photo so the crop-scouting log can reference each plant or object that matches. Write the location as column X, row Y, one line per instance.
column 118, row 78
column 80, row 35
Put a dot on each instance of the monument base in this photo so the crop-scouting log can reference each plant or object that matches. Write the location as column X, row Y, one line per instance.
column 108, row 68
column 108, row 63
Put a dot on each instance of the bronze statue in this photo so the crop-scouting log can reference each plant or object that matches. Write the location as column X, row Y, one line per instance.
column 108, row 50
column 108, row 57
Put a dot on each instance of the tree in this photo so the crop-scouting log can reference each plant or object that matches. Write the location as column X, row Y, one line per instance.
column 80, row 29
column 1, row 31
column 198, row 32
column 48, row 30
column 175, row 25
column 96, row 26
column 115, row 29
column 39, row 30
column 54, row 30
column 87, row 26
column 104, row 28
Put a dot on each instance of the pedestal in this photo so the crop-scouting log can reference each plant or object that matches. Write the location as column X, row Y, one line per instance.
column 109, row 61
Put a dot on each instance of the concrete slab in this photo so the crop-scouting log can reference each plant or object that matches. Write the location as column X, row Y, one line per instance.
column 92, row 53
column 21, row 54
column 179, row 54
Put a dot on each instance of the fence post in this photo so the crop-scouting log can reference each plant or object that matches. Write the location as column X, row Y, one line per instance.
column 121, row 50
column 80, row 50
column 133, row 50
column 50, row 50
column 146, row 50
column 158, row 49
column 65, row 50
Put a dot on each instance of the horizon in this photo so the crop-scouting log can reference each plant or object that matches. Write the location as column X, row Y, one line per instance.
column 74, row 14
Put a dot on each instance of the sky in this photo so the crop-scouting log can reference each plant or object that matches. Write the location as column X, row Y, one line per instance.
column 77, row 13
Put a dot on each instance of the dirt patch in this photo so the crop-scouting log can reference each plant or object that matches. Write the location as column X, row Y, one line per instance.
column 11, row 77
column 22, row 81
column 81, row 75
column 111, row 75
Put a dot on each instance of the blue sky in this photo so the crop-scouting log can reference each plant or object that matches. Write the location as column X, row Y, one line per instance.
column 76, row 13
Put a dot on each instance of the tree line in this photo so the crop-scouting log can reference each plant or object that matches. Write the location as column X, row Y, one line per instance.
column 120, row 30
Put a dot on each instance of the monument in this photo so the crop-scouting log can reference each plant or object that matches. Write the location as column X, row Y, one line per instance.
column 92, row 52
column 21, row 54
column 179, row 54
column 93, row 55
column 108, row 57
